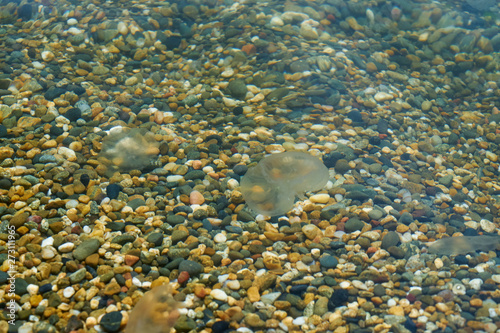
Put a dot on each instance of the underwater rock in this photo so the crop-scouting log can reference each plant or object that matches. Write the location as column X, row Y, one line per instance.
column 156, row 312
column 481, row 5
column 270, row 187
column 127, row 149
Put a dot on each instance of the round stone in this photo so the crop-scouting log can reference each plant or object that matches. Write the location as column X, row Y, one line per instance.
column 220, row 238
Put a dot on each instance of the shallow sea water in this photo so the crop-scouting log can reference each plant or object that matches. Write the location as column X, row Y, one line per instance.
column 127, row 127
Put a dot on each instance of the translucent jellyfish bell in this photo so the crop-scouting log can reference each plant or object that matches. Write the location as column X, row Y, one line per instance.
column 270, row 187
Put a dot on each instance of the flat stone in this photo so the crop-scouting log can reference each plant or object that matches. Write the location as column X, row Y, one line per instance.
column 86, row 248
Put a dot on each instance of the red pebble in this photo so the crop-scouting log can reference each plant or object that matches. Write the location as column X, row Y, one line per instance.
column 76, row 230
column 249, row 49
column 35, row 218
column 412, row 298
column 183, row 277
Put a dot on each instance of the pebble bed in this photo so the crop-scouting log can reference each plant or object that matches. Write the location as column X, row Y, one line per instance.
column 400, row 102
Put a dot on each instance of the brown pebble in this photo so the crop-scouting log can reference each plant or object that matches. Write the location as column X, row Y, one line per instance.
column 130, row 260
column 253, row 294
column 274, row 236
column 57, row 226
column 311, row 231
column 112, row 288
column 92, row 260
column 196, row 198
column 476, row 302
column 371, row 67
column 396, row 310
column 282, row 305
column 19, row 219
column 6, row 152
column 49, row 144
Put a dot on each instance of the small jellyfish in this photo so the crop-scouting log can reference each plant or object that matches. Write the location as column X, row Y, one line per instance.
column 270, row 187
column 126, row 149
column 156, row 312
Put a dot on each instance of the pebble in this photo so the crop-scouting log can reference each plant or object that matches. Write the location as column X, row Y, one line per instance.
column 234, row 285
column 382, row 96
column 311, row 231
column 47, row 56
column 196, row 198
column 111, row 321
column 219, row 295
column 86, row 248
column 220, row 238
column 68, row 292
column 321, row 198
column 66, row 247
column 48, row 252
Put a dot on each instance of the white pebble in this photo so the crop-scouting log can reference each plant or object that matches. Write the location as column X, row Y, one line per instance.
column 487, row 225
column 32, row 289
column 208, row 169
column 227, row 73
column 94, row 303
column 47, row 56
column 438, row 263
column 476, row 284
column 19, row 204
column 67, row 153
column 72, row 203
column 174, row 178
column 345, row 284
column 74, row 31
column 48, row 252
column 299, row 321
column 38, row 65
column 315, row 253
column 223, row 278
column 318, row 127
column 219, row 295
column 47, row 242
column 122, row 28
column 26, row 328
column 68, row 292
column 359, row 285
column 321, row 198
column 66, row 247
column 136, row 282
column 232, row 184
column 220, row 238
column 233, row 284
column 72, row 21
column 276, row 22
column 230, row 103
column 383, row 96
